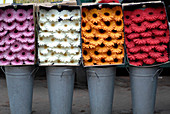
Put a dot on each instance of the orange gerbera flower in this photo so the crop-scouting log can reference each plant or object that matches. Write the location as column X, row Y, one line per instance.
column 96, row 25
column 117, row 61
column 119, row 26
column 120, row 40
column 84, row 14
column 90, row 62
column 86, row 54
column 109, row 41
column 87, row 45
column 120, row 55
column 117, row 48
column 96, row 41
column 85, row 26
column 93, row 15
column 89, row 33
column 85, row 40
column 102, row 48
column 101, row 33
column 95, row 54
column 110, row 55
column 106, row 14
column 115, row 34
column 117, row 13
column 108, row 25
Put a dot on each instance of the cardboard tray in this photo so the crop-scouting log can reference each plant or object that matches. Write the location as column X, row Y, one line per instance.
column 142, row 5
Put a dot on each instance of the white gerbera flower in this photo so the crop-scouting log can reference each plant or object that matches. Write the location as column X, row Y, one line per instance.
column 58, row 49
column 65, row 14
column 43, row 49
column 72, row 34
column 43, row 16
column 41, row 57
column 75, row 14
column 53, row 15
column 42, row 25
column 64, row 25
column 52, row 42
column 51, row 26
column 76, row 42
column 73, row 62
column 59, row 62
column 66, row 42
column 52, row 56
column 59, row 35
column 76, row 25
column 65, row 57
column 77, row 56
column 41, row 40
column 45, row 34
column 73, row 50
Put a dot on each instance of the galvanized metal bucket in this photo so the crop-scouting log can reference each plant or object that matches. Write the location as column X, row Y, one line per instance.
column 144, row 85
column 20, row 88
column 60, row 88
column 101, row 89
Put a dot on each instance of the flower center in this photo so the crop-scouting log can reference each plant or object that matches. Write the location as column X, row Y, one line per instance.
column 42, row 24
column 65, row 25
column 103, row 60
column 32, row 52
column 20, row 14
column 106, row 14
column 76, row 14
column 95, row 15
column 4, row 59
column 42, row 15
column 138, row 15
column 23, row 53
column 52, row 15
column 10, row 53
column 9, row 24
column 150, row 13
column 65, row 15
column 21, row 23
column 109, row 53
column 118, row 23
column 84, row 14
column 85, row 52
column 109, row 39
column 115, row 46
column 52, row 39
column 102, row 45
column 45, row 47
column 41, row 38
column 16, row 45
column 107, row 23
column 52, row 24
column 118, row 12
column 90, row 60
column 96, row 53
column 127, row 17
column 116, row 60
column 9, row 15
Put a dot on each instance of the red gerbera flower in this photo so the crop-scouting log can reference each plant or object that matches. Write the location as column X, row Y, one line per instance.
column 127, row 18
column 146, row 48
column 141, row 56
column 158, row 32
column 153, row 40
column 161, row 13
column 161, row 48
column 139, row 27
column 136, row 63
column 152, row 24
column 154, row 54
column 149, row 61
column 164, row 24
column 129, row 44
column 164, row 58
column 128, row 29
column 133, row 35
column 165, row 37
column 140, row 41
column 131, row 56
column 150, row 14
column 137, row 16
column 134, row 49
column 146, row 34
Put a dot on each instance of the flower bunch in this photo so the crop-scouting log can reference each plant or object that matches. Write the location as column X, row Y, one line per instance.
column 59, row 37
column 17, row 37
column 147, row 36
column 102, row 36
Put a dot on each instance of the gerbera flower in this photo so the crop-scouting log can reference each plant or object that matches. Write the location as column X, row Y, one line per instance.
column 106, row 14
column 42, row 25
column 31, row 55
column 9, row 15
column 76, row 57
column 76, row 42
column 3, row 33
column 43, row 49
column 31, row 39
column 4, row 62
column 149, row 61
column 102, row 61
column 86, row 54
column 127, row 17
column 120, row 40
column 22, row 26
column 117, row 13
column 139, row 27
column 22, row 39
column 89, row 33
column 146, row 34
column 7, row 26
column 102, row 48
column 52, row 42
column 161, row 48
column 29, row 46
column 87, row 45
column 85, row 26
column 64, row 25
column 89, row 62
column 164, row 38
column 133, row 36
column 30, row 14
column 153, row 40
column 114, row 34
column 59, row 35
column 96, row 41
column 128, row 29
column 65, row 58
column 41, row 57
column 110, row 56
column 129, row 44
column 94, row 15
column 164, row 58
column 150, row 14
column 73, row 50
column 75, row 14
column 94, row 25
column 120, row 55
column 28, row 33
column 1, row 14
column 161, row 13
column 65, row 14
column 52, row 56
column 138, row 16
column 152, row 24
column 95, row 54
column 15, row 34
column 108, row 25
column 119, row 25
column 84, row 14
column 76, row 25
column 23, row 55
column 134, row 49
column 8, row 40
column 53, row 15
column 146, row 48
column 21, row 15
column 131, row 57
column 141, row 55
column 136, row 63
column 29, row 62
column 16, row 47
column 31, row 26
column 72, row 34
column 58, row 62
column 41, row 40
column 9, row 55
column 158, row 32
column 109, row 41
column 117, row 48
column 42, row 15
column 73, row 62
column 140, row 41
column 101, row 33
column 65, row 43
column 17, row 62
column 154, row 54
column 164, row 24
column 117, row 61
column 52, row 26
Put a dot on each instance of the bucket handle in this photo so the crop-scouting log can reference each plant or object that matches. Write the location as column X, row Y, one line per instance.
column 34, row 71
column 66, row 70
column 94, row 73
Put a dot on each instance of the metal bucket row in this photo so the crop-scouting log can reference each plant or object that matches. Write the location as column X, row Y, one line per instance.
column 100, row 84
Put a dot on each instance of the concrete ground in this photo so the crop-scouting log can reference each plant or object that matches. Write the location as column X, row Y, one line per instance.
column 121, row 103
